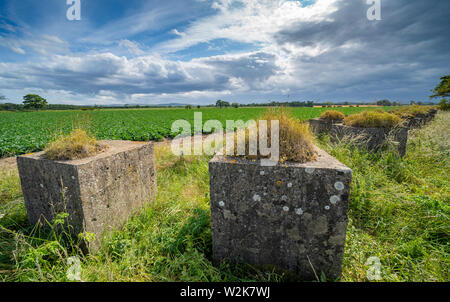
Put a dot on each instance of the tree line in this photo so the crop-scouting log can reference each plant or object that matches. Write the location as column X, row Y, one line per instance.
column 36, row 102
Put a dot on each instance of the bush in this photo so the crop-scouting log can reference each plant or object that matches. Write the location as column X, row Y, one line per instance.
column 332, row 115
column 372, row 119
column 296, row 140
column 78, row 144
column 444, row 105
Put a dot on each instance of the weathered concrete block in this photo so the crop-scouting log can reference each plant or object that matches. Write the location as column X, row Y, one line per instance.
column 420, row 120
column 372, row 138
column 413, row 122
column 319, row 126
column 99, row 193
column 292, row 216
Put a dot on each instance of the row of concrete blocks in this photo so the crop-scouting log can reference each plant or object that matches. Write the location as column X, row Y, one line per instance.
column 420, row 120
column 290, row 216
column 373, row 139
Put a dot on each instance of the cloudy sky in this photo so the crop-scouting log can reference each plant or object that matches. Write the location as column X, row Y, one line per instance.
column 197, row 51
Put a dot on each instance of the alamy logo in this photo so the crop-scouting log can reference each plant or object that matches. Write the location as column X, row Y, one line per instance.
column 241, row 138
column 374, row 11
column 74, row 11
column 374, row 268
column 74, row 270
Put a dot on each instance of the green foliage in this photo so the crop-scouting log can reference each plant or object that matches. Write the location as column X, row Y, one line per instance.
column 34, row 101
column 221, row 104
column 384, row 103
column 444, row 105
column 443, row 88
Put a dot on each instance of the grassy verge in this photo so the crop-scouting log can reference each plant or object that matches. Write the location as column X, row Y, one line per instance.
column 399, row 212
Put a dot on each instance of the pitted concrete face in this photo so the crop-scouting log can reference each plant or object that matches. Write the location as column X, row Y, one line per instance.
column 294, row 212
column 101, row 192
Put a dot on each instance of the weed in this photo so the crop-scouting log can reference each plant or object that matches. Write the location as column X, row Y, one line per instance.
column 78, row 144
column 332, row 115
column 372, row 119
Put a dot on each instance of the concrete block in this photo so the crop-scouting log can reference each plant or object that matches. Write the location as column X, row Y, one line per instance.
column 373, row 139
column 292, row 216
column 99, row 193
column 319, row 126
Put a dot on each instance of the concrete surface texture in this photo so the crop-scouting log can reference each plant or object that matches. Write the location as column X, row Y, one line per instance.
column 291, row 216
column 99, row 193
column 373, row 139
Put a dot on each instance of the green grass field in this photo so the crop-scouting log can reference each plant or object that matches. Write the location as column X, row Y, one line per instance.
column 399, row 212
column 25, row 132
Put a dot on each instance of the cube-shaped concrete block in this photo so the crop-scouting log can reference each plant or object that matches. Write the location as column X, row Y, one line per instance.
column 292, row 216
column 319, row 125
column 99, row 193
column 372, row 138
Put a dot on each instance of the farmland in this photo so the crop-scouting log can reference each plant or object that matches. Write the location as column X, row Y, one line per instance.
column 24, row 132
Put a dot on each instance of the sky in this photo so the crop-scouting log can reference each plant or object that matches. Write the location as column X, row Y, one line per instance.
column 197, row 51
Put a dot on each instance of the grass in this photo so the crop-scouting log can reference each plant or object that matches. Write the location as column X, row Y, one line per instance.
column 399, row 212
column 332, row 115
column 412, row 111
column 76, row 145
column 372, row 119
column 295, row 138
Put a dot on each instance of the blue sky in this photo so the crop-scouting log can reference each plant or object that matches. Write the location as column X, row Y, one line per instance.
column 198, row 51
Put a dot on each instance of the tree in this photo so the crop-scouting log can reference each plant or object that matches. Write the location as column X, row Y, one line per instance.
column 444, row 105
column 235, row 105
column 188, row 106
column 221, row 104
column 34, row 101
column 443, row 89
column 384, row 103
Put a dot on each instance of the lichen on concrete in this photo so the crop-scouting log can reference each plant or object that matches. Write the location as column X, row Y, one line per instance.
column 99, row 193
column 287, row 225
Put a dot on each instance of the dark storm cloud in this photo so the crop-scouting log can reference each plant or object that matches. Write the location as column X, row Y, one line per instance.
column 409, row 47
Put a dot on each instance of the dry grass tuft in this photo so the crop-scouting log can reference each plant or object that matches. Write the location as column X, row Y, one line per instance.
column 332, row 115
column 373, row 119
column 412, row 111
column 296, row 139
column 78, row 144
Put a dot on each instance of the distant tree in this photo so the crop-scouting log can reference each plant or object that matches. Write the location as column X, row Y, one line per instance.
column 443, row 89
column 188, row 107
column 384, row 103
column 198, row 107
column 221, row 104
column 235, row 105
column 34, row 101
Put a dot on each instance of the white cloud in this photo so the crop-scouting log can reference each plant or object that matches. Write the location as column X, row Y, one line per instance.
column 249, row 21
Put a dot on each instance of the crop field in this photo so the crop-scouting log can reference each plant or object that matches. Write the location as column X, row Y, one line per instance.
column 24, row 132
